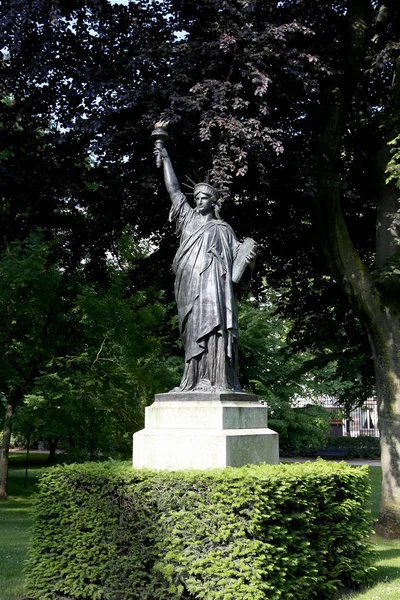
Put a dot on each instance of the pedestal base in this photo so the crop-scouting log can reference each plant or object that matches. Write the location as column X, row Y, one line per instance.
column 205, row 431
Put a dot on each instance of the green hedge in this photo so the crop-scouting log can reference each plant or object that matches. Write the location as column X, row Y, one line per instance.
column 288, row 532
column 358, row 447
column 367, row 447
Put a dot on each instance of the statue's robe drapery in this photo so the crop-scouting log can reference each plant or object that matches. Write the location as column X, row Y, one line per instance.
column 207, row 308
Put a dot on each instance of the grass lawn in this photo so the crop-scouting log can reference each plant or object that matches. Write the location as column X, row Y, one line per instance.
column 16, row 518
column 15, row 521
column 387, row 577
column 387, row 562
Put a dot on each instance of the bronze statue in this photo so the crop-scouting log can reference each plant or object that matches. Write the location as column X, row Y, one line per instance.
column 208, row 261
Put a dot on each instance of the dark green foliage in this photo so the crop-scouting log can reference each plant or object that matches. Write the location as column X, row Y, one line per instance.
column 359, row 447
column 105, row 531
column 301, row 430
column 278, row 375
column 86, row 357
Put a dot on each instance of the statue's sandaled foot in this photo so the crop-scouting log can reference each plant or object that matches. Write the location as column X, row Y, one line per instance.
column 205, row 386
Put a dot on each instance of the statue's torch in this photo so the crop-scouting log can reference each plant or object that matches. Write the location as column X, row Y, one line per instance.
column 159, row 133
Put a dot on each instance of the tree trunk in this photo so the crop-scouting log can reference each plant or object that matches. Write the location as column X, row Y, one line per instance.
column 5, row 446
column 377, row 306
column 12, row 403
column 381, row 318
column 385, row 344
column 53, row 443
column 28, row 447
column 382, row 322
column 385, row 338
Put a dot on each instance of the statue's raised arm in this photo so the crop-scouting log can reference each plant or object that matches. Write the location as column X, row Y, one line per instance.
column 160, row 135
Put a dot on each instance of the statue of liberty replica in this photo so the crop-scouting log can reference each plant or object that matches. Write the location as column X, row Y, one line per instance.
column 208, row 262
column 207, row 421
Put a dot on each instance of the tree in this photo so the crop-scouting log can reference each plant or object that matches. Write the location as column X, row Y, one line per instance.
column 31, row 295
column 50, row 184
column 355, row 110
column 335, row 133
column 75, row 353
column 272, row 368
column 290, row 105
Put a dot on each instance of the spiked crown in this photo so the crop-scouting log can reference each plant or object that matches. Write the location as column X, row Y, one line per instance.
column 202, row 186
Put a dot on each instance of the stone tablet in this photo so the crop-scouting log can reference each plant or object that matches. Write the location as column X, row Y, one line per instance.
column 241, row 262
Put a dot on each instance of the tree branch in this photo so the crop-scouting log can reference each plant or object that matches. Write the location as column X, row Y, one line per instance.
column 99, row 352
column 346, row 264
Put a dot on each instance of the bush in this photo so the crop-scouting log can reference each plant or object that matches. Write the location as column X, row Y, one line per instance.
column 358, row 447
column 301, row 430
column 107, row 532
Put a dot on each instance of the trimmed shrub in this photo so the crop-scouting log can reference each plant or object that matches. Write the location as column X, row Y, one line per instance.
column 363, row 446
column 367, row 447
column 108, row 532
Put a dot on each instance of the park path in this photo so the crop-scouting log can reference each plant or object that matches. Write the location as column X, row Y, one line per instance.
column 351, row 461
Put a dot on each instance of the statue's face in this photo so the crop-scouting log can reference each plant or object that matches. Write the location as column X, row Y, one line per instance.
column 204, row 203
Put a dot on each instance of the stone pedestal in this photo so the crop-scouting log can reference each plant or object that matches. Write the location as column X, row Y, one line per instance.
column 197, row 430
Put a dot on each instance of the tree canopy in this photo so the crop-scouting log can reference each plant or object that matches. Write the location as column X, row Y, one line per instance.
column 290, row 105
